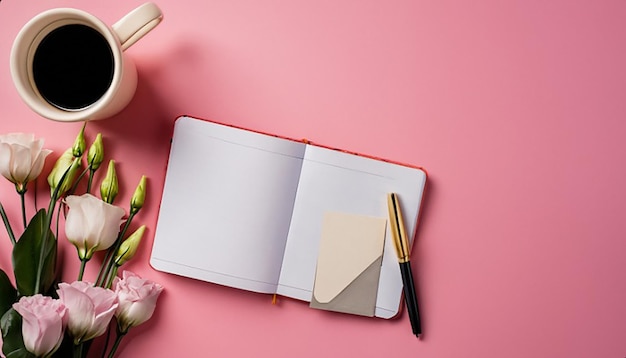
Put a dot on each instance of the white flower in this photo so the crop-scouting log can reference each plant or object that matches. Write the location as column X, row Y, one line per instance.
column 91, row 224
column 21, row 157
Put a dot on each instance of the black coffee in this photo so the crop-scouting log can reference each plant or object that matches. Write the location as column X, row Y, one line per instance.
column 73, row 66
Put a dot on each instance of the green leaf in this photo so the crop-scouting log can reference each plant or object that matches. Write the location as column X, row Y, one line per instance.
column 12, row 342
column 8, row 294
column 22, row 353
column 34, row 257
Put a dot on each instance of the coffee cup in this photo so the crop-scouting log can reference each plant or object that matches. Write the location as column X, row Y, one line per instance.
column 67, row 65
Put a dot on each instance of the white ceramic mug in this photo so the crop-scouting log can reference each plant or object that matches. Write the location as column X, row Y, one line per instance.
column 68, row 65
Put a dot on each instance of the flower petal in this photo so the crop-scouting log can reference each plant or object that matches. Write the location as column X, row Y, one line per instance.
column 37, row 165
column 20, row 163
column 80, row 310
column 6, row 153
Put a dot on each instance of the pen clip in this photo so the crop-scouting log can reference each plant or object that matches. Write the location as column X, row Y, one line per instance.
column 397, row 228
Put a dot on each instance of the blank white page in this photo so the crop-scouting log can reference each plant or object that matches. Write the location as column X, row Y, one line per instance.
column 336, row 181
column 226, row 206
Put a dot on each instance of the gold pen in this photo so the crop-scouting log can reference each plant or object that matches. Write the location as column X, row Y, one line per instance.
column 401, row 244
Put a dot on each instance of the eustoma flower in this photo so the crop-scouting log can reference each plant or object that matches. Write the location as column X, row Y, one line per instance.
column 62, row 174
column 137, row 300
column 43, row 323
column 109, row 186
column 21, row 158
column 128, row 248
column 90, row 309
column 91, row 224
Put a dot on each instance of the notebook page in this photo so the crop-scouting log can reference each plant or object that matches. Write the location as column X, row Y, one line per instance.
column 226, row 205
column 336, row 181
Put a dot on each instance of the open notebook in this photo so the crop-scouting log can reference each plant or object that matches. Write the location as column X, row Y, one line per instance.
column 252, row 211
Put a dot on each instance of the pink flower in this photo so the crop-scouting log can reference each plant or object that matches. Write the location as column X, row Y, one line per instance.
column 91, row 224
column 21, row 157
column 43, row 323
column 137, row 299
column 90, row 309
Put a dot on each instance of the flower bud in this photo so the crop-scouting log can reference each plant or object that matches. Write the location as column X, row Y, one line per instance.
column 109, row 187
column 79, row 143
column 136, row 202
column 128, row 248
column 65, row 164
column 95, row 156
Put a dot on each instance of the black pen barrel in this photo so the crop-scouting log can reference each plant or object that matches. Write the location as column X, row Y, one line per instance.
column 410, row 297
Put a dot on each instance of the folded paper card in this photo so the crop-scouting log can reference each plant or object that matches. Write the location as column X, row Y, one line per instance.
column 348, row 263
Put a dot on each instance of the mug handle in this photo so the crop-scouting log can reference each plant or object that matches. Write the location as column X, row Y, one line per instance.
column 137, row 23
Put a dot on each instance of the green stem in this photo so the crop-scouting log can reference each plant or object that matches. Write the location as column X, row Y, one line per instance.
column 7, row 224
column 58, row 219
column 46, row 232
column 109, row 260
column 83, row 262
column 77, row 181
column 112, row 276
column 100, row 277
column 106, row 341
column 35, row 196
column 116, row 344
column 22, row 192
column 78, row 350
column 49, row 214
column 90, row 180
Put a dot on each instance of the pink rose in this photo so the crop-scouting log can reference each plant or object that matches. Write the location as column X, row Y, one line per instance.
column 91, row 224
column 43, row 323
column 137, row 299
column 21, row 157
column 90, row 309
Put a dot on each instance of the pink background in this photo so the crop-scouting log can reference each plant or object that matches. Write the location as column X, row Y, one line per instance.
column 516, row 109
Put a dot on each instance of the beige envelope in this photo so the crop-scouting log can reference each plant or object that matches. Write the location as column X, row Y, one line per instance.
column 348, row 265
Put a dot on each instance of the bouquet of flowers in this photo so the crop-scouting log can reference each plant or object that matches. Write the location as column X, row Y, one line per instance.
column 40, row 315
